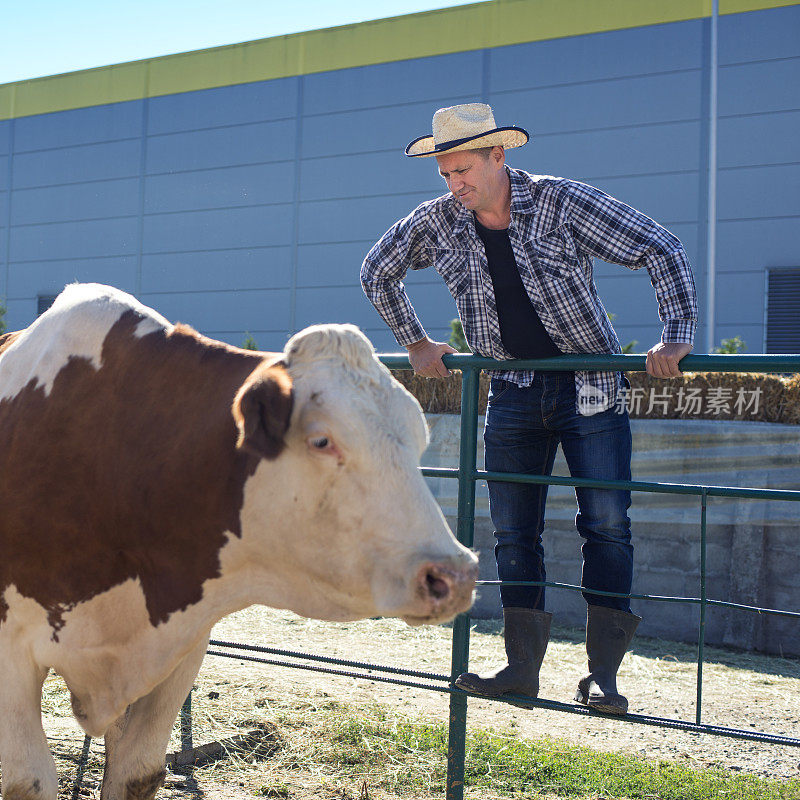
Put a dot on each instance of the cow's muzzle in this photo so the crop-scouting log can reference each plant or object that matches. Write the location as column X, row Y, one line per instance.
column 442, row 589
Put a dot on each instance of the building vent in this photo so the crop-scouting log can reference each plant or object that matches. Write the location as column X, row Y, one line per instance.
column 783, row 311
column 43, row 302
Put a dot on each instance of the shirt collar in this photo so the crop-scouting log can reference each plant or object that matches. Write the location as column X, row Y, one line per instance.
column 462, row 219
column 521, row 195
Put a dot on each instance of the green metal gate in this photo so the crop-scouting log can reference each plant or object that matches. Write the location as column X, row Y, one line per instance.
column 467, row 474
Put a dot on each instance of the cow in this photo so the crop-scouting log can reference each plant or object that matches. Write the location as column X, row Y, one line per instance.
column 153, row 480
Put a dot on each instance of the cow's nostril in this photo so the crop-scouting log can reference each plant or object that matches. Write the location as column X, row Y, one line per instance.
column 437, row 587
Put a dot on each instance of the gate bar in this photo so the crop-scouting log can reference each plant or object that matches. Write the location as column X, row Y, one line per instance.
column 465, row 531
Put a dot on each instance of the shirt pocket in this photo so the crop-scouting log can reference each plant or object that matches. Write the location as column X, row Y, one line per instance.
column 453, row 266
column 555, row 254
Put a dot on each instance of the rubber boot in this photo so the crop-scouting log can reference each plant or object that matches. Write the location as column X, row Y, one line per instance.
column 608, row 634
column 526, row 634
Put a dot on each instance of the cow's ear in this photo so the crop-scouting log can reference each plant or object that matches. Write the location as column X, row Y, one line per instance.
column 262, row 409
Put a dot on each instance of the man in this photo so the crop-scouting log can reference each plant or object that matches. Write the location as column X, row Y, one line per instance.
column 516, row 253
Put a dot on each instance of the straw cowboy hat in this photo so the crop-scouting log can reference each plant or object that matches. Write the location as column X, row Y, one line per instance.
column 465, row 127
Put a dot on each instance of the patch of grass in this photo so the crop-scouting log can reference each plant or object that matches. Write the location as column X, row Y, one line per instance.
column 279, row 789
column 320, row 747
column 502, row 763
column 412, row 757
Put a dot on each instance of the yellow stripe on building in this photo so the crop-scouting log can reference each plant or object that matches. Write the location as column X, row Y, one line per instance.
column 482, row 25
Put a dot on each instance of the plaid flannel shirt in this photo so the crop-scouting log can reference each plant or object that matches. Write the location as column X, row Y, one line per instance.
column 557, row 227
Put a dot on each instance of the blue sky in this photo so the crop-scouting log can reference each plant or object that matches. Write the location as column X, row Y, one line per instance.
column 48, row 37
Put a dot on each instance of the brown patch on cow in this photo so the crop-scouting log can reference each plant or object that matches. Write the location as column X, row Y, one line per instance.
column 145, row 788
column 262, row 409
column 7, row 338
column 126, row 472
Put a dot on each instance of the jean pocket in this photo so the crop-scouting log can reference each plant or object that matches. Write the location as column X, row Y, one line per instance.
column 497, row 388
column 508, row 392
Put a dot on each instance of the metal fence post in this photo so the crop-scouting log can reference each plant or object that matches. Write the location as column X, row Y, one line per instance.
column 701, row 636
column 186, row 723
column 465, row 530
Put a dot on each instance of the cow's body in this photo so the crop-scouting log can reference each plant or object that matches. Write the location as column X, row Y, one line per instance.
column 153, row 481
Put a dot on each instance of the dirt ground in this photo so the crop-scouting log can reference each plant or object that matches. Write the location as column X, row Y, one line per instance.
column 747, row 691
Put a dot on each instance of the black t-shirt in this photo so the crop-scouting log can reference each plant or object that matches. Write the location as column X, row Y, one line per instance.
column 521, row 330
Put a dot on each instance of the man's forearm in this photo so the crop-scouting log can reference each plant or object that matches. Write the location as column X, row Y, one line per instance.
column 675, row 291
column 679, row 331
column 391, row 301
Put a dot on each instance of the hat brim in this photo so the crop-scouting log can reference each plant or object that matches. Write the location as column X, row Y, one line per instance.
column 508, row 137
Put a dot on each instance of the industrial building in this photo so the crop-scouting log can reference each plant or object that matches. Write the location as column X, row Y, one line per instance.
column 238, row 188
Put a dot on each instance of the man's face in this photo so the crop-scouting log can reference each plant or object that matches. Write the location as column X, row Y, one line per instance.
column 473, row 178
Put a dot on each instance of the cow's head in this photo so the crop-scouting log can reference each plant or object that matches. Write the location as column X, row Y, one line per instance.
column 336, row 510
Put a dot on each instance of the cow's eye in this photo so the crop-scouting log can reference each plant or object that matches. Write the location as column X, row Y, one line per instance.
column 325, row 446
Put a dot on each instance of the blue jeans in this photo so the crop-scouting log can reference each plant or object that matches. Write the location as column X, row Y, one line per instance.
column 523, row 429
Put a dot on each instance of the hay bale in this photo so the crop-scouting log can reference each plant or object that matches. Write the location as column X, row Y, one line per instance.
column 747, row 396
column 440, row 395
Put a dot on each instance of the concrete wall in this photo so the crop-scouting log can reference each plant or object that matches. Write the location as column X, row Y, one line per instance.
column 753, row 551
column 250, row 207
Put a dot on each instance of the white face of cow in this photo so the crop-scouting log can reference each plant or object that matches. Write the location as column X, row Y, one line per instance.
column 342, row 520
